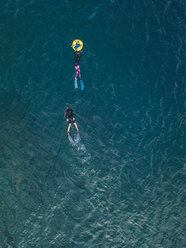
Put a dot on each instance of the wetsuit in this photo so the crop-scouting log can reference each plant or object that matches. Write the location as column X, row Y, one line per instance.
column 70, row 115
column 77, row 57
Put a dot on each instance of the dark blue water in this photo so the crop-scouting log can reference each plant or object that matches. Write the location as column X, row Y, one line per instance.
column 123, row 184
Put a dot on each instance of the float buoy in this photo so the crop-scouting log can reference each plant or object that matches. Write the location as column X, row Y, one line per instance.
column 77, row 45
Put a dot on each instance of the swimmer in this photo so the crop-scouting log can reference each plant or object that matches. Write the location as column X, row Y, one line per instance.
column 70, row 118
column 77, row 57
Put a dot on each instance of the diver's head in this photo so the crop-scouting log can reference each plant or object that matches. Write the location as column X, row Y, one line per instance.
column 67, row 107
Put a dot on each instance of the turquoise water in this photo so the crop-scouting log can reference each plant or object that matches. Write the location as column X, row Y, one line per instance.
column 123, row 184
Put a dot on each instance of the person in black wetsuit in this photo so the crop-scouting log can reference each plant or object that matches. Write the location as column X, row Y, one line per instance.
column 77, row 57
column 70, row 118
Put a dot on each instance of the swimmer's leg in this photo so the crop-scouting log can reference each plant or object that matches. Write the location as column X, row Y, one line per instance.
column 75, row 79
column 69, row 126
column 81, row 81
column 79, row 73
column 76, row 126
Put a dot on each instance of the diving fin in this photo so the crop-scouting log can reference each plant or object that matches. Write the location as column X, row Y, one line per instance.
column 82, row 85
column 75, row 83
column 78, row 138
column 70, row 139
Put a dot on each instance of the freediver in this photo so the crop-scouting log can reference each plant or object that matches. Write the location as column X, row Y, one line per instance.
column 77, row 57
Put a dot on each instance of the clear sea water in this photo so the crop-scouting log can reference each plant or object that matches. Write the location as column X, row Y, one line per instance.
column 123, row 185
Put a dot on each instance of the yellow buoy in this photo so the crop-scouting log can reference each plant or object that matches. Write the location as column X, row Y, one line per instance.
column 77, row 45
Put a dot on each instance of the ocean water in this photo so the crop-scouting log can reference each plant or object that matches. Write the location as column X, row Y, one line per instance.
column 122, row 185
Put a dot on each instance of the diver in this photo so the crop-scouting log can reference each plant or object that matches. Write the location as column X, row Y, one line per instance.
column 70, row 118
column 77, row 57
